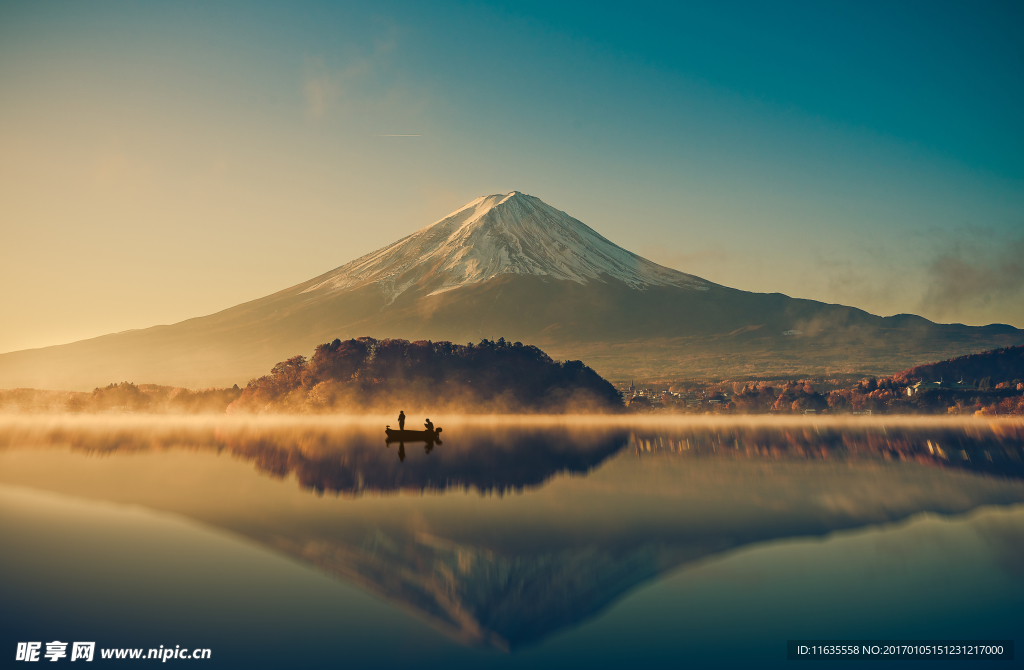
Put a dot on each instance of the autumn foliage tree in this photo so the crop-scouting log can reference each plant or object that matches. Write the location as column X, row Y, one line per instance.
column 754, row 397
column 124, row 396
column 1012, row 406
column 799, row 396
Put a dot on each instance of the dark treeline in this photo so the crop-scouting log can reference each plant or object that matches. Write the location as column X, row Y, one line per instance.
column 497, row 376
column 986, row 369
column 365, row 374
column 992, row 385
column 886, row 395
column 130, row 397
column 121, row 397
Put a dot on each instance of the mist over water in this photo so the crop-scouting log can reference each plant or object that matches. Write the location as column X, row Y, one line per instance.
column 511, row 540
column 502, row 451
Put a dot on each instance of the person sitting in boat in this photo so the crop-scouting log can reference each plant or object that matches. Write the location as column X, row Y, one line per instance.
column 429, row 426
column 401, row 419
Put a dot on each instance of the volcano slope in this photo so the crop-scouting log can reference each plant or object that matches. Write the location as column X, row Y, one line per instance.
column 511, row 266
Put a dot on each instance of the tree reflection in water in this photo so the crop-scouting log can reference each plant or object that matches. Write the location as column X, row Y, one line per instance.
column 994, row 448
column 497, row 460
column 348, row 458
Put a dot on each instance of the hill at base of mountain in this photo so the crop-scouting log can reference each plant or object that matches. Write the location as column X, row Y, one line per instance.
column 1004, row 366
column 991, row 385
column 511, row 266
column 367, row 374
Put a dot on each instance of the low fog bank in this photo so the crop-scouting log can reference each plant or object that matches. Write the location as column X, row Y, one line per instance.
column 339, row 422
column 147, row 431
column 350, row 456
column 120, row 398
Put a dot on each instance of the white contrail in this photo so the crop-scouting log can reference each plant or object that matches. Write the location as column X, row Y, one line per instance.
column 399, row 135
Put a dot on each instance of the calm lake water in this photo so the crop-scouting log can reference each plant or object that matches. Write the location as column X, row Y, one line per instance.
column 513, row 543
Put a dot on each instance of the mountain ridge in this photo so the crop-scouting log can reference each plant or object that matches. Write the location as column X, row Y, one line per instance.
column 481, row 272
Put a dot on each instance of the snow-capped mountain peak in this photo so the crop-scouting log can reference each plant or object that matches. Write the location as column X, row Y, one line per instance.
column 511, row 233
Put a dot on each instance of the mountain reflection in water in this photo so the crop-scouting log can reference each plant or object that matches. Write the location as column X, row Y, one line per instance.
column 510, row 571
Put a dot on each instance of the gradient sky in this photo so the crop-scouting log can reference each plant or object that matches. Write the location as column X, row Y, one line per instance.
column 160, row 161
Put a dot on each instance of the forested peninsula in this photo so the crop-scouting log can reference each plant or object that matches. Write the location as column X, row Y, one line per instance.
column 369, row 375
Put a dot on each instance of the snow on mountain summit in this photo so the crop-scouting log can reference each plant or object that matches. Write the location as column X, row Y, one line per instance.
column 510, row 233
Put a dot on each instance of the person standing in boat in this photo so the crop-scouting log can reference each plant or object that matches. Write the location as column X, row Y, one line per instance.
column 429, row 426
column 401, row 419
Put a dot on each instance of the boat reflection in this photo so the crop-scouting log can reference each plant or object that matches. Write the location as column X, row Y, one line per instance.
column 495, row 460
column 351, row 458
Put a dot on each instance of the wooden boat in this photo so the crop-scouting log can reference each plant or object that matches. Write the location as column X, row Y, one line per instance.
column 413, row 435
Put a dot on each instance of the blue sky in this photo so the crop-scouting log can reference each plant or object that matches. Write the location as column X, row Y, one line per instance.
column 166, row 160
